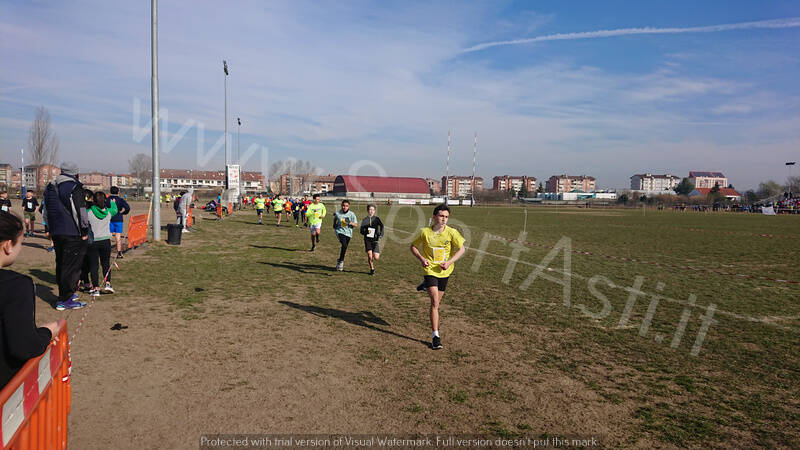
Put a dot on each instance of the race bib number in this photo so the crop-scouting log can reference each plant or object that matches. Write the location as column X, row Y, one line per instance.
column 5, row 208
column 439, row 255
column 30, row 205
column 371, row 232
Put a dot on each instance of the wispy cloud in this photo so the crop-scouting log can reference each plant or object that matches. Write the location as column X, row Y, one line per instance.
column 776, row 23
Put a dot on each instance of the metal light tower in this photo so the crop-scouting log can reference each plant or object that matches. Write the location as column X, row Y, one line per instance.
column 22, row 174
column 472, row 188
column 447, row 171
column 238, row 139
column 154, row 104
column 225, row 69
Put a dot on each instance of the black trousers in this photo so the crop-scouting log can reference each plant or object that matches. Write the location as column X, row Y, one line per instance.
column 101, row 250
column 345, row 240
column 70, row 251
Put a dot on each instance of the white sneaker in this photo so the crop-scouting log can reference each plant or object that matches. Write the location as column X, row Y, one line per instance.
column 185, row 230
column 107, row 288
column 340, row 266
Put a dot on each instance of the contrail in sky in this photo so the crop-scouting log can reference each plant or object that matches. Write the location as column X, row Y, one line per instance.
column 776, row 23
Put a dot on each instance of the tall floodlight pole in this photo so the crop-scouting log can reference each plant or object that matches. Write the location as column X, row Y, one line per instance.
column 474, row 154
column 154, row 104
column 225, row 69
column 22, row 174
column 447, row 172
column 238, row 139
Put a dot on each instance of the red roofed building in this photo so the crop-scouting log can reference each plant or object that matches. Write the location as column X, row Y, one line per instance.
column 729, row 193
column 355, row 186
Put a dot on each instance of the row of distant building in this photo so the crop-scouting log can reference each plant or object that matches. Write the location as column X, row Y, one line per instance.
column 454, row 186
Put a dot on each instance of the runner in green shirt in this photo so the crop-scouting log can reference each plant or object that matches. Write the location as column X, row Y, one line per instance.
column 277, row 208
column 259, row 202
column 315, row 213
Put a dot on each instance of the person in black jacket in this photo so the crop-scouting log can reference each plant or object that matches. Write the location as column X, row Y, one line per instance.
column 372, row 229
column 21, row 339
column 69, row 228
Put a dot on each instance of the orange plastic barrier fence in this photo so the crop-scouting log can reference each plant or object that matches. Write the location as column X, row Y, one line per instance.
column 189, row 218
column 36, row 401
column 230, row 208
column 137, row 230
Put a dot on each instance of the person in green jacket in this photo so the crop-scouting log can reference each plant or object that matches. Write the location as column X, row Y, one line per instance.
column 100, row 215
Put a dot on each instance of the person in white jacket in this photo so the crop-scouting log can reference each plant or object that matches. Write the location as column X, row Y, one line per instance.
column 186, row 200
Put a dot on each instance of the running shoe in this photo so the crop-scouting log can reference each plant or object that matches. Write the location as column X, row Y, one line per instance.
column 95, row 292
column 50, row 249
column 119, row 255
column 421, row 287
column 436, row 344
column 69, row 304
column 340, row 266
column 108, row 289
column 372, row 271
column 312, row 248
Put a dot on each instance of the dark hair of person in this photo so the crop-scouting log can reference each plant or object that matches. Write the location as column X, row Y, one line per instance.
column 114, row 190
column 345, row 201
column 440, row 208
column 100, row 199
column 10, row 227
column 316, row 196
column 371, row 205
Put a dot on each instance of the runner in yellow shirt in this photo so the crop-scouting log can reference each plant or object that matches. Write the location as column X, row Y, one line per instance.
column 437, row 248
column 277, row 208
column 259, row 203
column 315, row 213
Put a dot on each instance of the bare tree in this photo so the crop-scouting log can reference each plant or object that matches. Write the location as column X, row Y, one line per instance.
column 141, row 168
column 42, row 141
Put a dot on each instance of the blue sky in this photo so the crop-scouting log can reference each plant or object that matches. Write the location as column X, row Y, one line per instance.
column 377, row 85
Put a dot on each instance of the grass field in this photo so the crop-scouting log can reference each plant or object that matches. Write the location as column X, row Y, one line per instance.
column 648, row 328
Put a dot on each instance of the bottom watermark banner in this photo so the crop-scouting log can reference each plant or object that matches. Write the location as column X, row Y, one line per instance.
column 294, row 441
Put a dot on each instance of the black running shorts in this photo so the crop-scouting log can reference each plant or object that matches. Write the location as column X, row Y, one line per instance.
column 370, row 245
column 440, row 283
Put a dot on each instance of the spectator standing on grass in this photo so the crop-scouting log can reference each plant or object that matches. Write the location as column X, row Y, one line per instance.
column 315, row 213
column 219, row 206
column 29, row 205
column 344, row 221
column 183, row 206
column 5, row 203
column 100, row 213
column 372, row 230
column 434, row 248
column 20, row 339
column 69, row 227
column 116, row 226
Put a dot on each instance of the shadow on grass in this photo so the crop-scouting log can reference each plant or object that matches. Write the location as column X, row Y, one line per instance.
column 302, row 268
column 46, row 293
column 276, row 248
column 364, row 319
column 43, row 276
column 31, row 244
